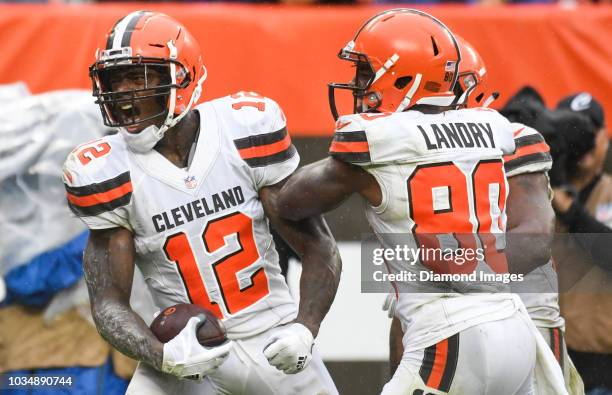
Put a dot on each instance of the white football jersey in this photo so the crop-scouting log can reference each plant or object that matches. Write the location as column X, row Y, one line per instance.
column 200, row 232
column 443, row 174
column 539, row 289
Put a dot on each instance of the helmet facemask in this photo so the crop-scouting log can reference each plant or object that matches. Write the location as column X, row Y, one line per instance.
column 470, row 91
column 464, row 87
column 150, row 81
column 147, row 78
column 364, row 77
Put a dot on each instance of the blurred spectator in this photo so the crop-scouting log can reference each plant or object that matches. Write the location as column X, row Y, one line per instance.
column 583, row 201
column 579, row 149
column 46, row 327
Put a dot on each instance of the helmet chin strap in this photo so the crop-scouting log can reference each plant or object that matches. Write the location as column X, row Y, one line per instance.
column 490, row 99
column 386, row 66
column 464, row 96
column 143, row 141
column 146, row 139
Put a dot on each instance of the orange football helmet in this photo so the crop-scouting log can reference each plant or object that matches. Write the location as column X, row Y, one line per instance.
column 140, row 42
column 472, row 87
column 403, row 57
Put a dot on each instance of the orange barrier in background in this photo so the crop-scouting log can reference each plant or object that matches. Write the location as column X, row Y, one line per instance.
column 289, row 53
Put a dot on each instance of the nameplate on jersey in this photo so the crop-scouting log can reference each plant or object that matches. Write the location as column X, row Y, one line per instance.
column 446, row 135
column 196, row 209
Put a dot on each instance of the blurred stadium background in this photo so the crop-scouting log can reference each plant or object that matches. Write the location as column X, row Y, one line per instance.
column 286, row 52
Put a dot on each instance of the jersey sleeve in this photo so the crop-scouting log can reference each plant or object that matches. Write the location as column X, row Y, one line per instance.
column 350, row 141
column 532, row 154
column 265, row 145
column 97, row 192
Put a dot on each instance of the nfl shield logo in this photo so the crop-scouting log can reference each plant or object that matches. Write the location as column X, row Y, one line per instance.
column 190, row 182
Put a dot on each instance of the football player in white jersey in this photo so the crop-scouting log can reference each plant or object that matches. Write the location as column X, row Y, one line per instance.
column 422, row 168
column 529, row 213
column 187, row 193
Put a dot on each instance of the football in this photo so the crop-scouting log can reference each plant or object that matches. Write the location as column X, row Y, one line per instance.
column 173, row 319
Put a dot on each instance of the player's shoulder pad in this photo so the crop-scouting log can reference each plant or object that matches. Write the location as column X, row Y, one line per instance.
column 375, row 138
column 532, row 154
column 259, row 130
column 350, row 142
column 489, row 115
column 96, row 176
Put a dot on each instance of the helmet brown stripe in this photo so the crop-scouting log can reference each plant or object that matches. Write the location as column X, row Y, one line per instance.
column 127, row 35
column 111, row 36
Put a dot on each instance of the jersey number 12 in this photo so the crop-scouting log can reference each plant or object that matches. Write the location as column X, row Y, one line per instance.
column 225, row 269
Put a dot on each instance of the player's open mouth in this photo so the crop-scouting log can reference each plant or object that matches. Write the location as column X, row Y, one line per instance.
column 129, row 114
column 133, row 129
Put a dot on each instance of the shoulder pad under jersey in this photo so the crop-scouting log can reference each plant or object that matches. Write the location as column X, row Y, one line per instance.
column 350, row 142
column 97, row 178
column 257, row 127
column 410, row 136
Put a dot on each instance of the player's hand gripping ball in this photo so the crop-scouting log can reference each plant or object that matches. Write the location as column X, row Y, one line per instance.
column 210, row 332
column 195, row 341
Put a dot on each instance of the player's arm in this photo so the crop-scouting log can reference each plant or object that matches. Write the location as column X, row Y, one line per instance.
column 289, row 350
column 530, row 216
column 99, row 195
column 267, row 150
column 530, row 224
column 109, row 270
column 323, row 186
column 312, row 240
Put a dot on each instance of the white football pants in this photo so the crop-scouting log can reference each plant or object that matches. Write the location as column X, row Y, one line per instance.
column 246, row 371
column 493, row 358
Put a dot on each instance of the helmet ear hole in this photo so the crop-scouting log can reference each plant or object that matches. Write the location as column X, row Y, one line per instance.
column 436, row 51
column 479, row 97
column 188, row 78
column 402, row 82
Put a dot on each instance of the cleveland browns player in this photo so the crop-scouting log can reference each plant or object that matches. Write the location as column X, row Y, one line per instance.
column 186, row 192
column 529, row 214
column 424, row 168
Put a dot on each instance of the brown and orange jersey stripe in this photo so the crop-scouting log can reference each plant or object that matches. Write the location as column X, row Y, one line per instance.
column 531, row 149
column 350, row 146
column 557, row 345
column 94, row 199
column 265, row 149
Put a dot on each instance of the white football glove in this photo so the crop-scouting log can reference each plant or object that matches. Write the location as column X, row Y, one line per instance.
column 290, row 349
column 185, row 357
column 389, row 305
